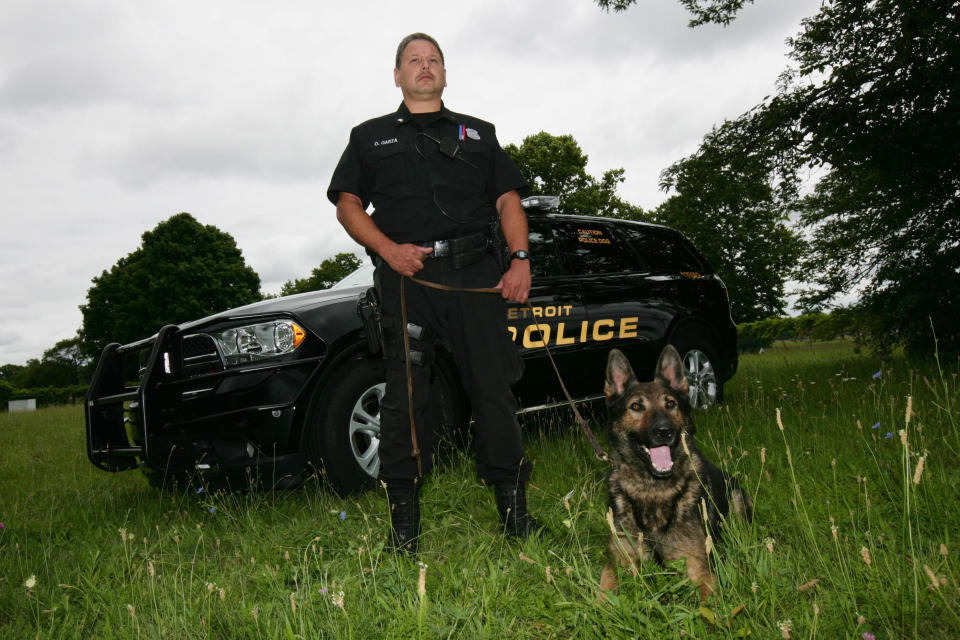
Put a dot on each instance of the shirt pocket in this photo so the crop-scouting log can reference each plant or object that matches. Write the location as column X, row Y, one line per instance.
column 471, row 168
column 390, row 168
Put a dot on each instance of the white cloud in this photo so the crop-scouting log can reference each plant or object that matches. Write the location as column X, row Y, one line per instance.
column 116, row 115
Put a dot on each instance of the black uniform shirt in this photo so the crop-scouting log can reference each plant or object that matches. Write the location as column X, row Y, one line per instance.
column 401, row 163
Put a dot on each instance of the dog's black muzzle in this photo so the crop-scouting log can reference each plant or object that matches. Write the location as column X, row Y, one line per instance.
column 662, row 432
column 657, row 446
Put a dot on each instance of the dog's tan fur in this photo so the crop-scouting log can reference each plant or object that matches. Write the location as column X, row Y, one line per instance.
column 656, row 513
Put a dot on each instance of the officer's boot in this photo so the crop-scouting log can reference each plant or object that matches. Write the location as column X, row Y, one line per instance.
column 404, row 500
column 512, row 506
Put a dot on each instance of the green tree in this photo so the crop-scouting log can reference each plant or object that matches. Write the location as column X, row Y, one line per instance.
column 9, row 371
column 878, row 107
column 68, row 355
column 62, row 365
column 182, row 270
column 704, row 11
column 731, row 210
column 44, row 373
column 330, row 271
column 556, row 166
column 862, row 139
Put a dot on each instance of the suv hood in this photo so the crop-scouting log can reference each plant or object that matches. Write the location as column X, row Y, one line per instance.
column 284, row 305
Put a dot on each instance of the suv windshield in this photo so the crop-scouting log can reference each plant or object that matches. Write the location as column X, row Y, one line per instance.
column 362, row 276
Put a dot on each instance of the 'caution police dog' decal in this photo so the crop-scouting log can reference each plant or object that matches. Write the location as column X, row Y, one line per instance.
column 592, row 236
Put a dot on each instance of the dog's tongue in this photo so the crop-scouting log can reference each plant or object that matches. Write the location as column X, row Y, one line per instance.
column 660, row 457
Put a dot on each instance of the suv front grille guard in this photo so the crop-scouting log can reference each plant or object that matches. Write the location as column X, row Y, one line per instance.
column 117, row 429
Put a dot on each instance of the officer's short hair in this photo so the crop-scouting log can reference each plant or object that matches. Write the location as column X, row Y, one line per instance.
column 416, row 36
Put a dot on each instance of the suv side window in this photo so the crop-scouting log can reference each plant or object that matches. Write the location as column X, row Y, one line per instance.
column 543, row 254
column 662, row 249
column 591, row 248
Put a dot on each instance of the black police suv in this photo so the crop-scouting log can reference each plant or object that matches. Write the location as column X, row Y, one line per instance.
column 276, row 390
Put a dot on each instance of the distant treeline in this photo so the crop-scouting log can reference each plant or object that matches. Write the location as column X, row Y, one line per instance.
column 45, row 396
column 839, row 323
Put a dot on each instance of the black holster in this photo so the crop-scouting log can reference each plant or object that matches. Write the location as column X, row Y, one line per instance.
column 381, row 338
column 496, row 243
column 368, row 308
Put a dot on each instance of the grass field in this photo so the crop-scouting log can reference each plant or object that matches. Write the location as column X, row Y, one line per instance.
column 854, row 535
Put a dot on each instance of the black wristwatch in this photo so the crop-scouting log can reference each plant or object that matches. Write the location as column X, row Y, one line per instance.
column 520, row 255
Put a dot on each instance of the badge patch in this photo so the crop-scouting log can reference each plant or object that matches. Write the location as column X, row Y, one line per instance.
column 464, row 131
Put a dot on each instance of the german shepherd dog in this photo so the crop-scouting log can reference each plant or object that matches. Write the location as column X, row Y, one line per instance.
column 665, row 497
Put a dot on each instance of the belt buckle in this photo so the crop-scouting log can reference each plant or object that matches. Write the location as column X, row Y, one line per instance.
column 441, row 249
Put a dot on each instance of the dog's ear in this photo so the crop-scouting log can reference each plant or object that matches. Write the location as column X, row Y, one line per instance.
column 619, row 373
column 670, row 368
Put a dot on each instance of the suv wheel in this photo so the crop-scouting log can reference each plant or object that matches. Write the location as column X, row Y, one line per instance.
column 343, row 431
column 699, row 364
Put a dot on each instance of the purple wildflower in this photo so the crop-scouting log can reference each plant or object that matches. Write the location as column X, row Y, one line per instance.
column 200, row 490
column 876, row 426
column 213, row 509
column 343, row 515
column 2, row 526
column 888, row 436
column 868, row 636
column 322, row 591
column 876, row 375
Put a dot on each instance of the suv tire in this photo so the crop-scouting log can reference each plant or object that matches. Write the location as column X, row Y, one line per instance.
column 343, row 426
column 699, row 360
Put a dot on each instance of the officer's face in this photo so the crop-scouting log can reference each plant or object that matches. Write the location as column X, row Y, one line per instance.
column 421, row 74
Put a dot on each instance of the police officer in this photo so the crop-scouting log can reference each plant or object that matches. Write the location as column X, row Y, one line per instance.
column 436, row 179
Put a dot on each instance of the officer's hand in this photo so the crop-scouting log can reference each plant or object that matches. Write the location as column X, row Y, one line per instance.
column 515, row 283
column 406, row 259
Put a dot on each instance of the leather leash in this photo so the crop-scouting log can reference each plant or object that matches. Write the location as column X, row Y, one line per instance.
column 584, row 426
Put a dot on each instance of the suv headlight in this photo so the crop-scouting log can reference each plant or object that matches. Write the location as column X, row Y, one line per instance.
column 258, row 341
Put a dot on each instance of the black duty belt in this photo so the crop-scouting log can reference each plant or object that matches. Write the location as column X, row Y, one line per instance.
column 457, row 247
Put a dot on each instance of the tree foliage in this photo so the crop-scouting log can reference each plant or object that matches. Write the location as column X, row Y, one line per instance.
column 738, row 219
column 62, row 365
column 704, row 11
column 45, row 396
column 863, row 141
column 884, row 122
column 733, row 211
column 330, row 271
column 845, row 322
column 182, row 270
column 9, row 371
column 557, row 166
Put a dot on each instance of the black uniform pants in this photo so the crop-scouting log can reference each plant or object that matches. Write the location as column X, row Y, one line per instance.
column 473, row 328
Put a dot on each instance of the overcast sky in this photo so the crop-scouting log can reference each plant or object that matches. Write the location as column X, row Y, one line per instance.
column 115, row 115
